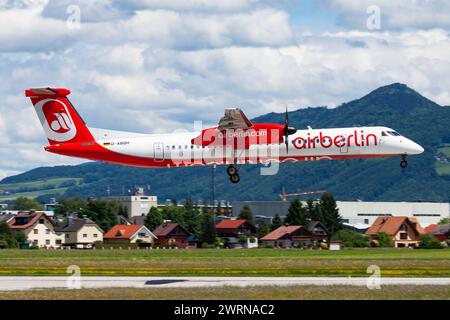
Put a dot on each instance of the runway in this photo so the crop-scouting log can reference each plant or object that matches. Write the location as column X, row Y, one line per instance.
column 30, row 283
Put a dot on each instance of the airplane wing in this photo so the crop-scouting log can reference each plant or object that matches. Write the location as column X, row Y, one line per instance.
column 234, row 119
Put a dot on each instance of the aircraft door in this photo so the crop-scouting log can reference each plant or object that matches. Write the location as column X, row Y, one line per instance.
column 344, row 145
column 158, row 149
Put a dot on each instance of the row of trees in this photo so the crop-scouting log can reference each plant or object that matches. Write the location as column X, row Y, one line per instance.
column 325, row 211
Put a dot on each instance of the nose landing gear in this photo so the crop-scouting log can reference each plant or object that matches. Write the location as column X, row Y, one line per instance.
column 403, row 162
column 233, row 173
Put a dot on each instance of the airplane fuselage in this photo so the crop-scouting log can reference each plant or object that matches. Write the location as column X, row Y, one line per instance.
column 177, row 149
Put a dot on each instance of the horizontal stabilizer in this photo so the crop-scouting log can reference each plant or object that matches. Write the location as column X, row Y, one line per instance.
column 39, row 92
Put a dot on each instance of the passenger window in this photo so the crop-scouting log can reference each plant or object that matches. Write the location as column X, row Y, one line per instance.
column 384, row 134
column 173, row 147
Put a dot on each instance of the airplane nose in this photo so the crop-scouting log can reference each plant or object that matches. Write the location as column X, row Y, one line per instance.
column 420, row 149
column 413, row 148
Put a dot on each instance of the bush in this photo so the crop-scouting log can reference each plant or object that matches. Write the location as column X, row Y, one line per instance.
column 243, row 239
column 352, row 239
column 3, row 244
column 206, row 245
column 218, row 243
column 384, row 239
column 428, row 241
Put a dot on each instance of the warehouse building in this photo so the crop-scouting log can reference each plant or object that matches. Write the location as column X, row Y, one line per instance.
column 359, row 213
column 136, row 204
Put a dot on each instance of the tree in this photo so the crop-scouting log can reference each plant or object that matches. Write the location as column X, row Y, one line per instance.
column 297, row 214
column 208, row 228
column 102, row 213
column 276, row 222
column 154, row 219
column 191, row 217
column 246, row 213
column 123, row 211
column 351, row 238
column 331, row 217
column 7, row 236
column 428, row 241
column 263, row 230
column 174, row 214
column 20, row 237
column 68, row 206
column 24, row 204
column 384, row 239
column 444, row 221
column 310, row 208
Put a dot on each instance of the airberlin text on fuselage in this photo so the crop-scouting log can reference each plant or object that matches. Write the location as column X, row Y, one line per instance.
column 358, row 139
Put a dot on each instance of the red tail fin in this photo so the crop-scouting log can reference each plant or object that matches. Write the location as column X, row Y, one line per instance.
column 60, row 120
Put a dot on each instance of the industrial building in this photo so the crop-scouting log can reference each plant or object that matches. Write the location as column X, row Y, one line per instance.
column 136, row 204
column 359, row 213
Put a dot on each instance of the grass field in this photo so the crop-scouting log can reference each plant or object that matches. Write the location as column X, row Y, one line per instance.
column 238, row 293
column 33, row 189
column 445, row 150
column 443, row 169
column 255, row 262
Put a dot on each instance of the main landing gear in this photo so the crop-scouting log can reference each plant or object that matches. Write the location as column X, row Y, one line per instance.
column 233, row 173
column 403, row 162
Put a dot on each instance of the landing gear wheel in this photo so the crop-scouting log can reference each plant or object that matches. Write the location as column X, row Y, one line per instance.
column 231, row 170
column 234, row 178
column 403, row 163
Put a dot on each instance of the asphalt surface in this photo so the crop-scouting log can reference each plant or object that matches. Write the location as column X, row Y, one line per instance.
column 29, row 283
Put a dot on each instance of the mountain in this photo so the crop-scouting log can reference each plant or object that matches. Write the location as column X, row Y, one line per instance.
column 397, row 106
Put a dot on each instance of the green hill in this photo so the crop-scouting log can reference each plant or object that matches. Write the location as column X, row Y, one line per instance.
column 426, row 178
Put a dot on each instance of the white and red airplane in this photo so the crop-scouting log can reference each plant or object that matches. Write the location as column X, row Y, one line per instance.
column 235, row 140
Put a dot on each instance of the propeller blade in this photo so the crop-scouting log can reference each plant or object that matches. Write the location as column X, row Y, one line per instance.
column 286, row 141
column 286, row 130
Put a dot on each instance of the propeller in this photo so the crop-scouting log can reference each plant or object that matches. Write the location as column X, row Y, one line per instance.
column 287, row 131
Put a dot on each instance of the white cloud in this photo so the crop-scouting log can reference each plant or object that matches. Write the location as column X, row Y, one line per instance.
column 193, row 5
column 162, row 67
column 402, row 14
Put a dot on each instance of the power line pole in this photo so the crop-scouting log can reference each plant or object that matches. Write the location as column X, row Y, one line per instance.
column 213, row 187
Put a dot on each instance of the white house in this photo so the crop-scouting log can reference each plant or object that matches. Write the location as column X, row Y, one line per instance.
column 38, row 228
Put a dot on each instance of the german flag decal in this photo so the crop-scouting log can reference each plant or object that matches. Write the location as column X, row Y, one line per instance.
column 106, row 143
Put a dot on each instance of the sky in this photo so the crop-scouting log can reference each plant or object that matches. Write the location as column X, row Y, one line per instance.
column 156, row 66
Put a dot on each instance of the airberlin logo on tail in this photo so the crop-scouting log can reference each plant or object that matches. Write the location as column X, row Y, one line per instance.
column 56, row 120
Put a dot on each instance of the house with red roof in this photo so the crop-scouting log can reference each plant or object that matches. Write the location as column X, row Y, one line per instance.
column 38, row 228
column 171, row 233
column 441, row 232
column 405, row 231
column 237, row 233
column 129, row 233
column 295, row 236
column 430, row 228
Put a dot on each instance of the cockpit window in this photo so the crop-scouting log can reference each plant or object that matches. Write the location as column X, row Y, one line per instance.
column 390, row 133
